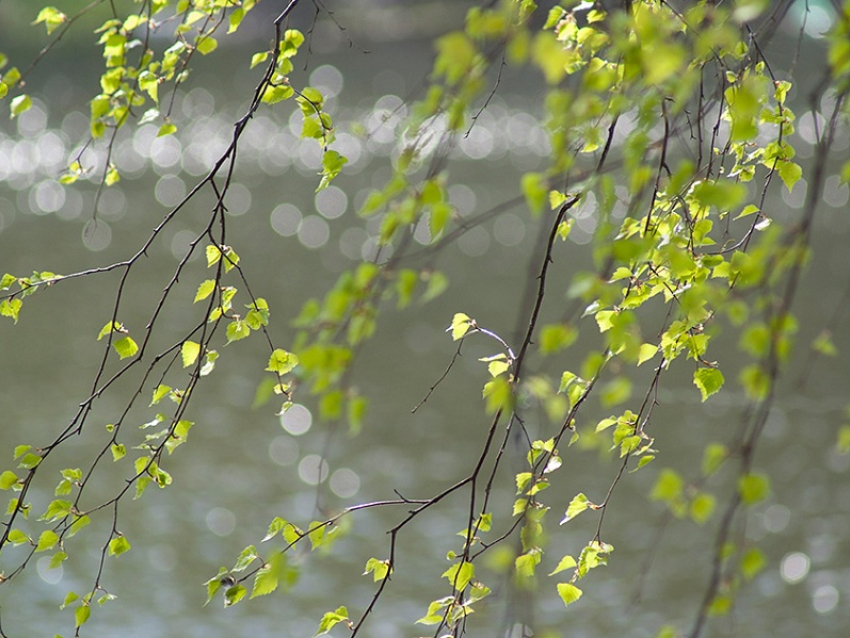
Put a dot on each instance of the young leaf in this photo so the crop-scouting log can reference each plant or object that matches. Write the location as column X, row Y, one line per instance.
column 708, row 380
column 282, row 361
column 379, row 568
column 125, row 347
column 206, row 288
column 576, row 507
column 189, row 352
column 46, row 541
column 7, row 480
column 234, row 594
column 753, row 488
column 332, row 618
column 461, row 323
column 569, row 593
column 567, row 562
column 160, row 392
column 81, row 615
column 460, row 574
column 266, row 580
column 118, row 546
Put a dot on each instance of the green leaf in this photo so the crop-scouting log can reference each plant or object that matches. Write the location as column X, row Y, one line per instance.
column 579, row 503
column 332, row 618
column 206, row 288
column 11, row 308
column 57, row 559
column 534, row 188
column 723, row 195
column 235, row 19
column 17, row 537
column 118, row 451
column 81, row 615
column 274, row 528
column 317, row 534
column 46, row 541
column 205, row 44
column 526, row 564
column 52, row 18
column 713, row 458
column 708, row 380
column 556, row 337
column 179, row 435
column 646, row 352
column 160, row 392
column 592, row 556
column 20, row 104
column 753, row 488
column 378, row 568
column 248, row 556
column 569, row 593
column 125, row 347
column 461, row 323
column 332, row 164
column 790, row 173
column 267, row 578
column 29, row 461
column 8, row 479
column 118, row 546
column 567, row 562
column 843, row 442
column 749, row 209
column 668, row 486
column 234, row 594
column 281, row 362
column 752, row 562
column 437, row 285
column 498, row 395
column 213, row 255
column 823, row 344
column 460, row 574
column 259, row 58
column 79, row 523
column 237, row 330
column 190, row 351
column 166, row 129
column 702, row 507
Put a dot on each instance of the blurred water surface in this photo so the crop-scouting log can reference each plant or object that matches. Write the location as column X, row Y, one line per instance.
column 244, row 466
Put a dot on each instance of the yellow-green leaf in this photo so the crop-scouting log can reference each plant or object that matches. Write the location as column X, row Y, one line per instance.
column 190, row 351
column 569, row 593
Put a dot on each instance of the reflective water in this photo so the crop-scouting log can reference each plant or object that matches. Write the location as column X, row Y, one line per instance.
column 243, row 467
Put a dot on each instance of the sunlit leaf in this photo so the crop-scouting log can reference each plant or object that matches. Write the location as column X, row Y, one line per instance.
column 461, row 323
column 118, row 546
column 332, row 618
column 125, row 347
column 708, row 380
column 569, row 593
column 378, row 568
column 567, row 562
column 579, row 503
column 753, row 488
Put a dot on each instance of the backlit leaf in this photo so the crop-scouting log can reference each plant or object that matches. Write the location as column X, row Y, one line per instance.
column 753, row 488
column 569, row 593
column 282, row 362
column 579, row 503
column 332, row 618
column 118, row 546
column 461, row 323
column 125, row 347
column 189, row 352
column 708, row 380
